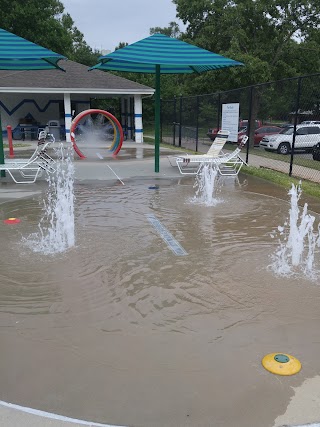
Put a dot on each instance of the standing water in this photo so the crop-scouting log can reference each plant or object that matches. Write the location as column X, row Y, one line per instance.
column 74, row 316
column 207, row 186
column 56, row 227
column 297, row 250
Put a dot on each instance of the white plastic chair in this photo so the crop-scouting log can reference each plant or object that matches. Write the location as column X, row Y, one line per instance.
column 227, row 164
column 30, row 169
column 187, row 163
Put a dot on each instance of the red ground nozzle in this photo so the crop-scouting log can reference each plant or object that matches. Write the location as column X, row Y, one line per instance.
column 12, row 221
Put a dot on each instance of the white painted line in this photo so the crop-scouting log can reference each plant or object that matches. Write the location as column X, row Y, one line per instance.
column 101, row 157
column 116, row 175
column 304, row 425
column 166, row 236
column 54, row 416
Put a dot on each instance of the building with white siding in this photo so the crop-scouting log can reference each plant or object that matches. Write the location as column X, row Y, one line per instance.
column 33, row 98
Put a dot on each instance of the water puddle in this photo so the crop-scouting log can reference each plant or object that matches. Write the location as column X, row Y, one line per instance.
column 119, row 330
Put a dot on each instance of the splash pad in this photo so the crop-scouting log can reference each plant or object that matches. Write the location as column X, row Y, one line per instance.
column 106, row 124
column 83, row 310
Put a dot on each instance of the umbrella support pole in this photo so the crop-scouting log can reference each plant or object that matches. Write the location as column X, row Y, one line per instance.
column 2, row 173
column 157, row 121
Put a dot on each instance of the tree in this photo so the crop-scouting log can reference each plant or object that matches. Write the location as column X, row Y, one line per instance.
column 44, row 22
column 37, row 21
column 80, row 51
column 121, row 45
column 271, row 37
column 172, row 30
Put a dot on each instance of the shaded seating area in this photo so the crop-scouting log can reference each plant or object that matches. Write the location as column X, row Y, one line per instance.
column 228, row 164
column 26, row 129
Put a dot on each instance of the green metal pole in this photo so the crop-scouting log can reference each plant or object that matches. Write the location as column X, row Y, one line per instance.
column 2, row 173
column 157, row 121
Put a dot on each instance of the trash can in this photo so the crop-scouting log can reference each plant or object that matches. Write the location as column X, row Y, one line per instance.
column 54, row 128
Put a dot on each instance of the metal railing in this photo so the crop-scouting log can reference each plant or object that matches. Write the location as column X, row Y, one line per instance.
column 188, row 122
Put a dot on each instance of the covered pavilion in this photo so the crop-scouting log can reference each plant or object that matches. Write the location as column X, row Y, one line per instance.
column 32, row 99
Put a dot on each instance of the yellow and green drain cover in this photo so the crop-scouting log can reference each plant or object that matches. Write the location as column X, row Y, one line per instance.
column 281, row 364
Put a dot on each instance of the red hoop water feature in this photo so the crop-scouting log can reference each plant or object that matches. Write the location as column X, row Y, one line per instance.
column 117, row 130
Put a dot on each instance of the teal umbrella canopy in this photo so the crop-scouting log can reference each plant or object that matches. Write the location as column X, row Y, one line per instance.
column 174, row 57
column 160, row 54
column 17, row 53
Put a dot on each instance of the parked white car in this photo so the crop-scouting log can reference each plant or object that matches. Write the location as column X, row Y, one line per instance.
column 306, row 137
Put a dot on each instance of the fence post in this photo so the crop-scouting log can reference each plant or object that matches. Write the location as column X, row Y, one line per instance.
column 2, row 173
column 174, row 119
column 180, row 120
column 9, row 133
column 197, row 122
column 219, row 108
column 161, row 117
column 295, row 125
column 249, row 121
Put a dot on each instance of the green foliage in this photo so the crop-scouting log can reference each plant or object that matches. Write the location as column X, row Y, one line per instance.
column 274, row 39
column 282, row 179
column 172, row 30
column 121, row 45
column 36, row 21
column 43, row 22
column 112, row 105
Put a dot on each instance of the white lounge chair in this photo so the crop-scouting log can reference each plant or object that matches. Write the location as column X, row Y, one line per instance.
column 188, row 164
column 40, row 153
column 30, row 169
column 228, row 164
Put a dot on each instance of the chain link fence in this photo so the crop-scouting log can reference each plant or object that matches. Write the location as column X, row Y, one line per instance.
column 282, row 120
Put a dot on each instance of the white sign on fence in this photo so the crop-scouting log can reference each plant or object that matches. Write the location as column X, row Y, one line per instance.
column 230, row 120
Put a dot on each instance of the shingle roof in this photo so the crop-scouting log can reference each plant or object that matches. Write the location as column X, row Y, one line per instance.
column 76, row 77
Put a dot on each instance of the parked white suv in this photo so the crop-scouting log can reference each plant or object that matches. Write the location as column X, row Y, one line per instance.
column 306, row 137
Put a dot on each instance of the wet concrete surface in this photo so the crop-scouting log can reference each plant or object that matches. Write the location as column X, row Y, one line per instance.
column 119, row 330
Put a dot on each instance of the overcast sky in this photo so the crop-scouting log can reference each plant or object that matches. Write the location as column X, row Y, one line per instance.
column 105, row 23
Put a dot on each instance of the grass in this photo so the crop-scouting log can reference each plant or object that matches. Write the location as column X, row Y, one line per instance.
column 150, row 141
column 16, row 145
column 282, row 179
column 297, row 160
column 310, row 188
